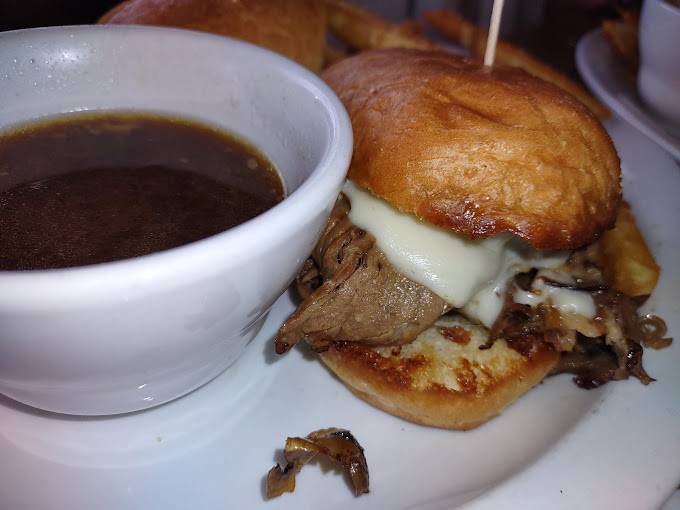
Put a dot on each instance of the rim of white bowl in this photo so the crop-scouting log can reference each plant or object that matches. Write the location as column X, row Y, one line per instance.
column 670, row 8
column 267, row 228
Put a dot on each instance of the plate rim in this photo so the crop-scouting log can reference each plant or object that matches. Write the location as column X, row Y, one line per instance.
column 646, row 125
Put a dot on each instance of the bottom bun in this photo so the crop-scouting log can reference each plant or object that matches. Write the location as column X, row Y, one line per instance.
column 442, row 378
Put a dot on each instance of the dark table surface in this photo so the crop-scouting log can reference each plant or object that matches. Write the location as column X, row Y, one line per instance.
column 552, row 33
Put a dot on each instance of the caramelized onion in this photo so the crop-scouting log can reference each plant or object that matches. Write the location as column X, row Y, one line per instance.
column 338, row 445
column 653, row 330
column 591, row 362
column 578, row 284
column 598, row 350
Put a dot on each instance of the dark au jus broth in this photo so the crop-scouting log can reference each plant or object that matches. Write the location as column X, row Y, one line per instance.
column 85, row 189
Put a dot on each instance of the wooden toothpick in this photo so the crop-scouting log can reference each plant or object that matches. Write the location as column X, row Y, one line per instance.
column 492, row 38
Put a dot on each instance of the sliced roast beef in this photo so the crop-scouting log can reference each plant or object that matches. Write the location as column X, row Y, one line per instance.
column 351, row 292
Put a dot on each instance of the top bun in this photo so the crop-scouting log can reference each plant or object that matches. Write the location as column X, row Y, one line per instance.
column 478, row 150
column 295, row 28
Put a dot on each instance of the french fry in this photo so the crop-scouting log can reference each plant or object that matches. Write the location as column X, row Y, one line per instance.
column 630, row 17
column 331, row 55
column 364, row 30
column 622, row 35
column 629, row 266
column 452, row 26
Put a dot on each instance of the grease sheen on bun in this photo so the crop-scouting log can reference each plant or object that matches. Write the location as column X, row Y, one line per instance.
column 480, row 151
column 295, row 28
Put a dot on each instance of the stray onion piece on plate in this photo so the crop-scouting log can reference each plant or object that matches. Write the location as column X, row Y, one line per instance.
column 338, row 445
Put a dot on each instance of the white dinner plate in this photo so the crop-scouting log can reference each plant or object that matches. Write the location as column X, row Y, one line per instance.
column 558, row 447
column 606, row 75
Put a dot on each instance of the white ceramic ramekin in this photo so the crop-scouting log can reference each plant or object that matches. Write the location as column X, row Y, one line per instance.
column 658, row 78
column 132, row 334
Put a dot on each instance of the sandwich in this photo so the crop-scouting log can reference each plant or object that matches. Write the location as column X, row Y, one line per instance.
column 470, row 253
column 294, row 28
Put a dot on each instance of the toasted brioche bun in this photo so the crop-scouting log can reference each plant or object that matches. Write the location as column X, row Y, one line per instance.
column 476, row 150
column 436, row 381
column 295, row 28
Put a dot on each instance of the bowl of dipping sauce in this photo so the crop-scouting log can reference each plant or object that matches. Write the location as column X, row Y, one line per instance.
column 159, row 190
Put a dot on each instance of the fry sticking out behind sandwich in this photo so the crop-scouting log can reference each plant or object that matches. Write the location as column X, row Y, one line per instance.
column 461, row 264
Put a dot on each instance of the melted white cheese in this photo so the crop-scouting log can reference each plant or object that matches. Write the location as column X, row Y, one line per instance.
column 577, row 302
column 449, row 265
column 518, row 258
column 471, row 275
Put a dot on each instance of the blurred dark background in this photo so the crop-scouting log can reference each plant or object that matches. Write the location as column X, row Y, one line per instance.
column 548, row 28
column 40, row 13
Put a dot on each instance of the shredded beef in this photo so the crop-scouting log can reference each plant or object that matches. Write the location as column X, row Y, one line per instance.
column 351, row 292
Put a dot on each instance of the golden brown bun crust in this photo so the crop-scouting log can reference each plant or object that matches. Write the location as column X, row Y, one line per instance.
column 480, row 152
column 438, row 382
column 295, row 28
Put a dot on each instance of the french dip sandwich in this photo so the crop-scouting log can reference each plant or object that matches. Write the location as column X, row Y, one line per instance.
column 461, row 264
column 294, row 28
